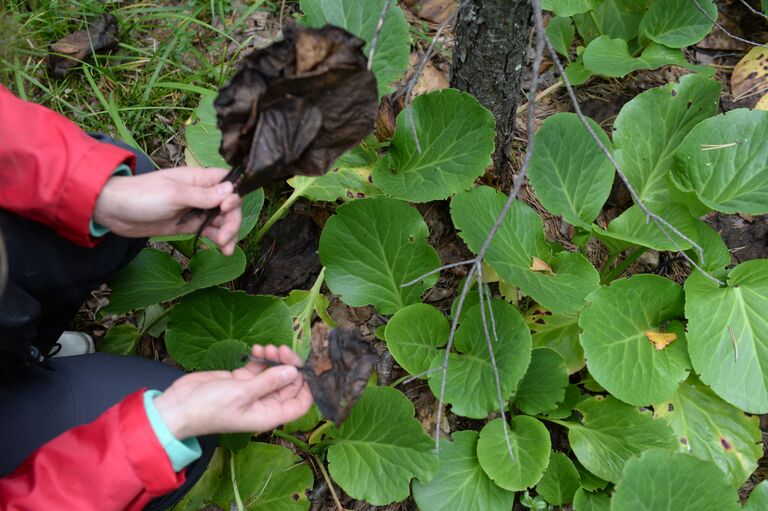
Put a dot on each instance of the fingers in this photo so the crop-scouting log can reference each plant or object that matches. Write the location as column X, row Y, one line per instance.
column 271, row 380
column 224, row 228
column 197, row 176
column 287, row 356
column 187, row 195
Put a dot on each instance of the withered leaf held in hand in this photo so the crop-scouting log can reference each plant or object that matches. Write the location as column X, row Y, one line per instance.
column 339, row 367
column 66, row 53
column 296, row 106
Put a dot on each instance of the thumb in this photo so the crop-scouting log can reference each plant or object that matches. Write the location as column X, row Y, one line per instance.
column 203, row 197
column 271, row 380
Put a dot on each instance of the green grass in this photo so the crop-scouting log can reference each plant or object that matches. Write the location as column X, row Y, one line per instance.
column 169, row 53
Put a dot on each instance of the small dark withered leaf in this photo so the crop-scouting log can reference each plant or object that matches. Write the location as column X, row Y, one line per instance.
column 101, row 35
column 296, row 106
column 340, row 365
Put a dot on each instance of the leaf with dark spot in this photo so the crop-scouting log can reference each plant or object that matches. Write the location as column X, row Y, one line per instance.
column 339, row 367
column 296, row 106
column 68, row 51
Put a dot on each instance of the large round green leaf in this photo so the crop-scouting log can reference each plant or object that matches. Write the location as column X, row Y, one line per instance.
column 461, row 483
column 728, row 334
column 611, row 432
column 571, row 176
column 155, row 277
column 615, row 18
column 456, row 136
column 724, row 160
column 373, row 246
column 269, row 478
column 413, row 335
column 530, row 443
column 360, row 17
column 380, row 448
column 710, row 429
column 560, row 481
column 666, row 481
column 520, row 239
column 615, row 328
column 471, row 385
column 544, row 383
column 651, row 126
column 678, row 23
column 204, row 137
column 215, row 314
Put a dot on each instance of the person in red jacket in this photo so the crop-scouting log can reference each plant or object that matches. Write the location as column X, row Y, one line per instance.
column 84, row 432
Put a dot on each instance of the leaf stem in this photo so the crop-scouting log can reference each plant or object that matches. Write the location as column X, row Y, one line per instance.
column 152, row 323
column 279, row 214
column 279, row 433
column 233, row 478
column 611, row 275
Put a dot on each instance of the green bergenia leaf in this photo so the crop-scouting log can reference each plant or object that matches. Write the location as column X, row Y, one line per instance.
column 616, row 326
column 380, row 448
column 156, row 277
column 728, row 334
column 560, row 481
column 215, row 314
column 414, row 335
column 373, row 246
column 456, row 136
column 544, row 383
column 666, row 481
column 520, row 239
column 679, row 23
column 461, row 483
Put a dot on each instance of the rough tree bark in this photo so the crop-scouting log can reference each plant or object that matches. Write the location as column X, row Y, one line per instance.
column 492, row 37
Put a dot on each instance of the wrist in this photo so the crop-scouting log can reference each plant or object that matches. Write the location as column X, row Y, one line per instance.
column 174, row 415
column 103, row 213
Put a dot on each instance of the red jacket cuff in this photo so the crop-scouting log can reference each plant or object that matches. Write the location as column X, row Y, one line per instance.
column 145, row 453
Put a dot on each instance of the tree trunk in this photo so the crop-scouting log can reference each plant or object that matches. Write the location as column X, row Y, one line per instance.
column 492, row 37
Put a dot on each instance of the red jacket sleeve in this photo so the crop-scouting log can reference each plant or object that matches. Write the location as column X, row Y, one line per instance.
column 114, row 463
column 51, row 171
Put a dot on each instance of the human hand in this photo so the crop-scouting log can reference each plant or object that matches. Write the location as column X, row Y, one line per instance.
column 152, row 204
column 252, row 398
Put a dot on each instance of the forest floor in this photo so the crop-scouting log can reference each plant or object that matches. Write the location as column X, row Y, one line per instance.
column 171, row 50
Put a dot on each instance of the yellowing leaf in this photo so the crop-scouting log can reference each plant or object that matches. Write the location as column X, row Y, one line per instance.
column 762, row 104
column 750, row 76
column 660, row 340
column 541, row 266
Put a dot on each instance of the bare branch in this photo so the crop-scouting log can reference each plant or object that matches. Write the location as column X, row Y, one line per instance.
column 725, row 30
column 437, row 270
column 753, row 10
column 377, row 33
column 492, row 356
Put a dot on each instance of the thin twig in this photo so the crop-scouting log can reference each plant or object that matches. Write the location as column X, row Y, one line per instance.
column 492, row 357
column 377, row 33
column 725, row 30
column 437, row 270
column 664, row 226
column 518, row 183
column 753, row 10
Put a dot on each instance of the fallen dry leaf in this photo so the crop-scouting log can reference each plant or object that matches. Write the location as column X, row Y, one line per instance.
column 750, row 76
column 719, row 40
column 660, row 340
column 340, row 365
column 296, row 106
column 68, row 51
column 541, row 266
column 435, row 11
column 431, row 78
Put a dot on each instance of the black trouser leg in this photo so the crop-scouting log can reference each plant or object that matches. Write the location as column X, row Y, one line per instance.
column 49, row 278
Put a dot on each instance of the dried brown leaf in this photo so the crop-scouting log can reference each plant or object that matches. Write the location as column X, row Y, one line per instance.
column 296, row 106
column 66, row 53
column 750, row 76
column 340, row 365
